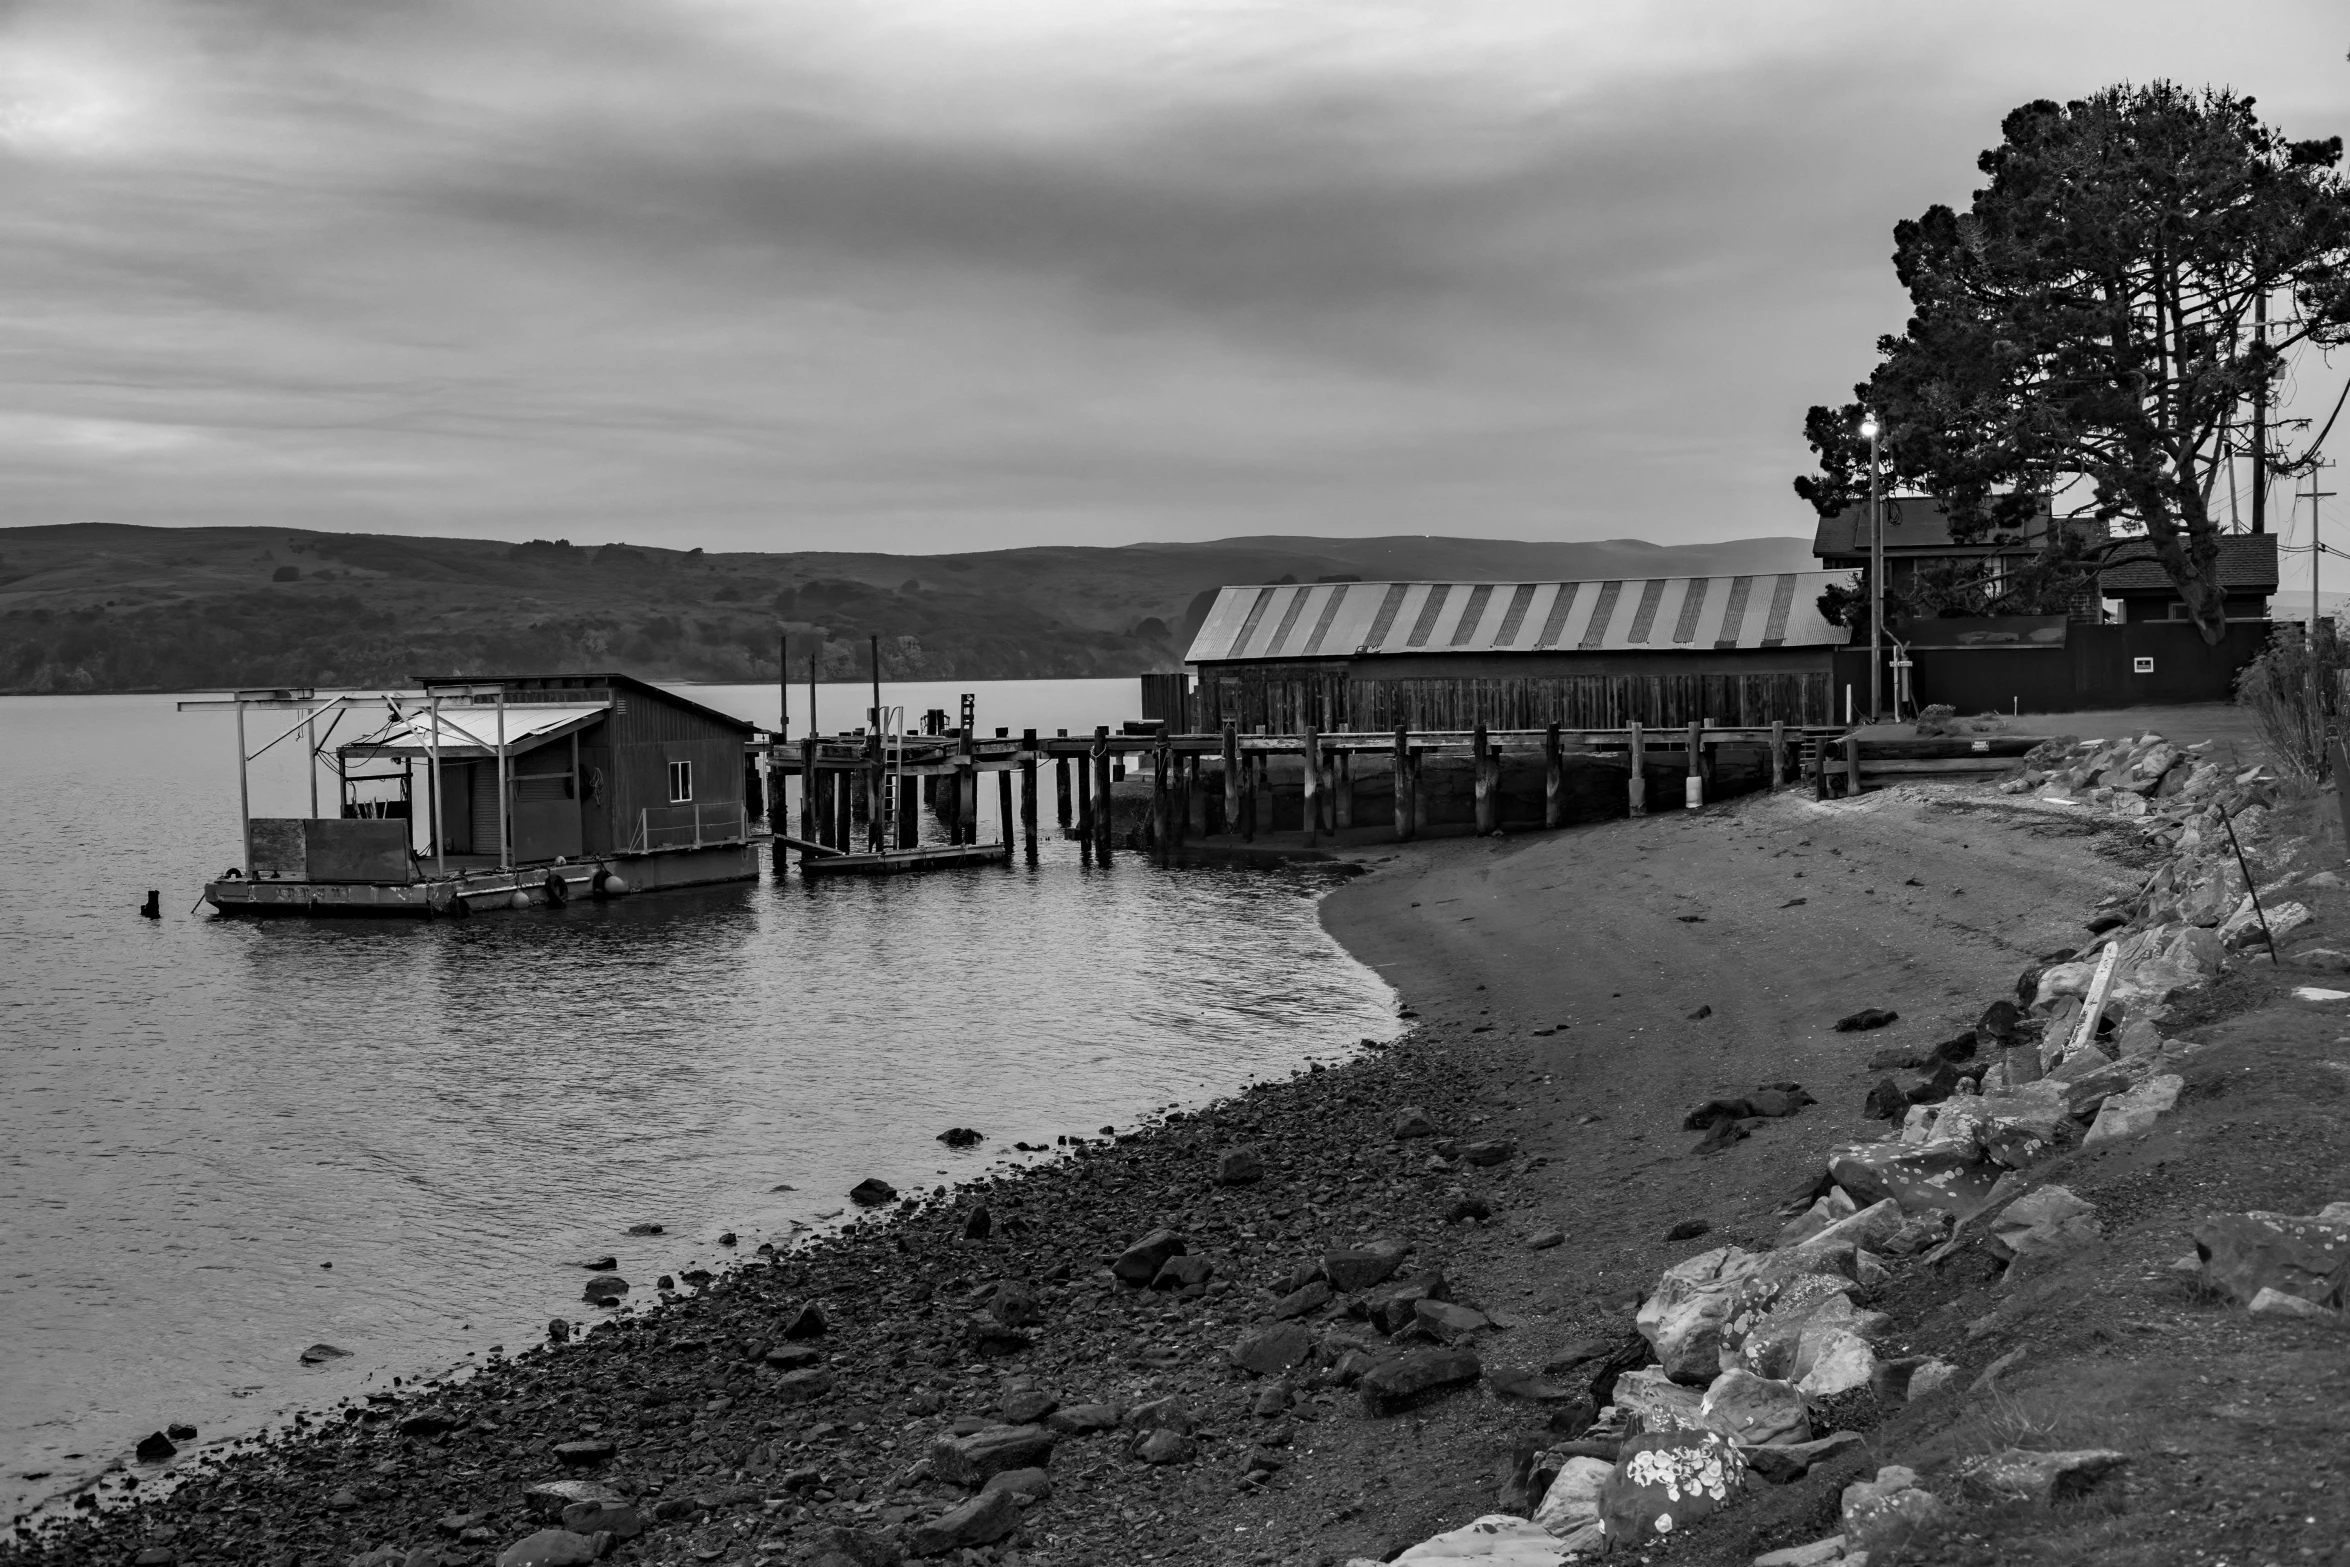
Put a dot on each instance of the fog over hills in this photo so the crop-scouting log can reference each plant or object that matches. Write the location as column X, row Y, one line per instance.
column 101, row 607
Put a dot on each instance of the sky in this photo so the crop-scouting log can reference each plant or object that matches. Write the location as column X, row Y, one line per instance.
column 931, row 275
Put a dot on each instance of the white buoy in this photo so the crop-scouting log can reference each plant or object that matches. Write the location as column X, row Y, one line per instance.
column 614, row 884
column 1693, row 791
column 521, row 899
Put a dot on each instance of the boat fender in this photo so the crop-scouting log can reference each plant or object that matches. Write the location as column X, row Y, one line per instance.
column 520, row 900
column 558, row 891
column 610, row 884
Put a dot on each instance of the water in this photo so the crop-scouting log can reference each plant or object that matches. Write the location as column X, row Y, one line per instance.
column 200, row 1115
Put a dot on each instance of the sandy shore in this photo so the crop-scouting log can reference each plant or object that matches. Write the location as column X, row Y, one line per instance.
column 1555, row 978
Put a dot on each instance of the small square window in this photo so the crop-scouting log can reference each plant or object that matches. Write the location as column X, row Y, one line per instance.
column 681, row 782
column 2141, row 666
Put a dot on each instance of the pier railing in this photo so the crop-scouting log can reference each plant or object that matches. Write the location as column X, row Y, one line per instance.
column 692, row 826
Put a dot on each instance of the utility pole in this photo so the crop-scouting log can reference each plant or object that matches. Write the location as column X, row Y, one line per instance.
column 1875, row 432
column 2317, row 548
column 2260, row 420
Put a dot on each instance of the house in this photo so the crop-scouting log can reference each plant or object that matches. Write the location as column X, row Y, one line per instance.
column 2247, row 572
column 1918, row 536
column 1515, row 655
column 534, row 788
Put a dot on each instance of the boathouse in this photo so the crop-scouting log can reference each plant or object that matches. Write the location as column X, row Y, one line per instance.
column 1660, row 651
column 534, row 768
column 534, row 789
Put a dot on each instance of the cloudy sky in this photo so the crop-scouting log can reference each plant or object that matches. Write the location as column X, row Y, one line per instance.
column 950, row 274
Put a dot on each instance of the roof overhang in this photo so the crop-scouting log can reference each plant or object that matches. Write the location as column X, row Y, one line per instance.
column 476, row 730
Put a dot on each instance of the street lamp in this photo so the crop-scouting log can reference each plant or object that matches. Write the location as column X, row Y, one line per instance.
column 1870, row 428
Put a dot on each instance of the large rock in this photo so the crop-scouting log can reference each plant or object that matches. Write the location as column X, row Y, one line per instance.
column 1391, row 1307
column 801, row 1387
column 1239, row 1167
column 1354, row 1269
column 1408, row 1379
column 872, row 1192
column 1497, row 1540
column 1835, row 1348
column 1785, row 1463
column 2133, row 1112
column 1313, row 1296
column 1448, row 1323
column 1838, row 1204
column 2303, row 1256
column 1887, row 1513
column 983, row 1520
column 1141, row 1262
column 1869, row 1229
column 1666, row 1481
column 1751, row 1409
column 1653, row 1401
column 1270, row 1351
column 1766, row 1341
column 1411, row 1121
column 551, row 1498
column 1079, row 1419
column 1954, row 1178
column 2043, row 1479
column 551, row 1548
column 2045, row 1224
column 1684, row 1317
column 970, row 1460
column 1572, row 1502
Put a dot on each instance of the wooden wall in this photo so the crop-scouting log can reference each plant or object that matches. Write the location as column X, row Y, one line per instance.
column 1286, row 698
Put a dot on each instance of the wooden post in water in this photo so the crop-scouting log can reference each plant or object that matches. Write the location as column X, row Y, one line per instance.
column 1778, row 753
column 1028, row 793
column 1342, row 802
column 876, row 793
column 1852, row 765
column 1103, row 819
column 966, row 789
column 1310, row 804
column 1481, row 779
column 1061, row 802
column 1403, row 784
column 1696, row 796
column 1085, row 809
column 808, row 828
column 1554, row 779
column 909, row 814
column 1162, row 805
column 1639, row 763
column 1003, row 811
column 1231, row 777
column 1419, row 792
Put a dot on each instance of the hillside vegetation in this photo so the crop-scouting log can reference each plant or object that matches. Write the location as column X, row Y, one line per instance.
column 99, row 607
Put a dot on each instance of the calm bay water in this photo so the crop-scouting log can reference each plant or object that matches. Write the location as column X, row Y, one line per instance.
column 200, row 1115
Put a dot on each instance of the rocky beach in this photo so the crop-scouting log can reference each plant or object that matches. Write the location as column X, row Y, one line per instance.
column 1473, row 1274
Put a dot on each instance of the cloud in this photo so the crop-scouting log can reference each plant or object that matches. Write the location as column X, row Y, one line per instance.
column 940, row 275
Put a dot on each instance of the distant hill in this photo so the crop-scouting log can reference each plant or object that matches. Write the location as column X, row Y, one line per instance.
column 100, row 607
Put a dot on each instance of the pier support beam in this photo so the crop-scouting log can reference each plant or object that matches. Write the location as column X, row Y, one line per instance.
column 1693, row 794
column 1403, row 784
column 1554, row 779
column 1852, row 765
column 1231, row 778
column 1342, row 800
column 1061, row 801
column 1639, row 756
column 1003, row 811
column 1103, row 829
column 1778, row 753
column 1028, row 794
column 1486, row 774
column 1310, row 803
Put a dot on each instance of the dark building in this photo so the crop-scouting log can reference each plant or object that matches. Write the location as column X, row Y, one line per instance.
column 1515, row 655
column 2247, row 572
column 1918, row 536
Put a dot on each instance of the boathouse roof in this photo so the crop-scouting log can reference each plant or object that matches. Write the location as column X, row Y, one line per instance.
column 473, row 731
column 582, row 687
column 1650, row 615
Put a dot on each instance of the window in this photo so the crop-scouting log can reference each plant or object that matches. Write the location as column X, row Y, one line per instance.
column 681, row 782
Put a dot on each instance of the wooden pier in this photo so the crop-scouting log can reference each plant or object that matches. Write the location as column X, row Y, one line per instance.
column 862, row 795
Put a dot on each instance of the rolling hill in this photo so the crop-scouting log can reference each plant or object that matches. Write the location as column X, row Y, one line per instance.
column 101, row 607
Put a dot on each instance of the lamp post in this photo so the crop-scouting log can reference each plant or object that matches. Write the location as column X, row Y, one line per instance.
column 1875, row 432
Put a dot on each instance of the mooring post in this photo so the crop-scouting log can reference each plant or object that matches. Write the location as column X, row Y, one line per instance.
column 1103, row 818
column 844, row 805
column 966, row 789
column 1419, row 791
column 1778, row 753
column 1342, row 793
column 1232, row 776
column 1481, row 781
column 1028, row 792
column 1819, row 769
column 1062, row 806
column 1310, row 788
column 876, row 791
column 1639, row 759
column 1852, row 764
column 1003, row 811
column 1554, row 778
column 808, row 794
column 1693, row 794
column 909, row 813
column 1084, row 786
column 1403, row 784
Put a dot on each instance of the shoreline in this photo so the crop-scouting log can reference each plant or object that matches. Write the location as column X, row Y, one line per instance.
column 1570, row 1042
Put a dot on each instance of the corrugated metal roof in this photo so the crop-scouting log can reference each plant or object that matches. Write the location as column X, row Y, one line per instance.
column 1652, row 614
column 473, row 730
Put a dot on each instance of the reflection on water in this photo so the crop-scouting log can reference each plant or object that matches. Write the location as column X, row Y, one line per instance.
column 201, row 1115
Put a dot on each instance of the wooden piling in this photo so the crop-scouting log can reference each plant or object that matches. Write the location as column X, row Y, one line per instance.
column 1484, row 765
column 1639, row 759
column 966, row 790
column 1003, row 811
column 1554, row 779
column 808, row 818
column 876, row 792
column 1104, row 819
column 1696, row 744
column 1852, row 765
column 1232, row 778
column 909, row 814
column 1819, row 770
column 1342, row 801
column 1310, row 801
column 1061, row 802
column 1778, row 754
column 1028, row 793
column 844, row 809
column 1419, row 794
